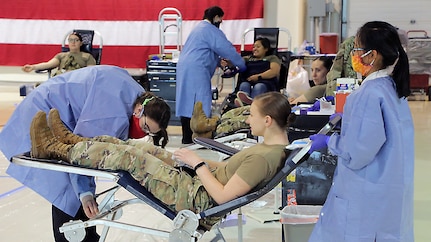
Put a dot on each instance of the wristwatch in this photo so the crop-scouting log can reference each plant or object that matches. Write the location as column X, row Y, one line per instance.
column 202, row 163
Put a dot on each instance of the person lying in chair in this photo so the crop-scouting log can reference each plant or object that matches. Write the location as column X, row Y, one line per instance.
column 156, row 169
column 263, row 69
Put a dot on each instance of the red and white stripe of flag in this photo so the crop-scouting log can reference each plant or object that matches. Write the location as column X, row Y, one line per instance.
column 32, row 32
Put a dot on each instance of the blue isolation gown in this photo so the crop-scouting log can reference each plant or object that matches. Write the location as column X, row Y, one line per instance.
column 198, row 60
column 92, row 101
column 371, row 198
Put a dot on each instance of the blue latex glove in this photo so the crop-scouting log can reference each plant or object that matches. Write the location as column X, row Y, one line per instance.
column 338, row 126
column 330, row 99
column 320, row 141
column 315, row 107
column 335, row 115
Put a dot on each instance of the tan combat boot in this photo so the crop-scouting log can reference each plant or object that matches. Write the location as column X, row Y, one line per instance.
column 200, row 124
column 43, row 143
column 60, row 131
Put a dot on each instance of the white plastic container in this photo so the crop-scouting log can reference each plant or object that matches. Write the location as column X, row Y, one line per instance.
column 298, row 222
column 344, row 84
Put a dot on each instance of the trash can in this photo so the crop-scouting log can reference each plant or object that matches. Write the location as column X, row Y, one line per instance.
column 298, row 222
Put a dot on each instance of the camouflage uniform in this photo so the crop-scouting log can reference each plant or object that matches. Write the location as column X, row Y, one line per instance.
column 152, row 166
column 233, row 120
column 342, row 66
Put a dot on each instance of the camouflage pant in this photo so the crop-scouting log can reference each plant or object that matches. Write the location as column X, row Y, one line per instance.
column 233, row 120
column 145, row 162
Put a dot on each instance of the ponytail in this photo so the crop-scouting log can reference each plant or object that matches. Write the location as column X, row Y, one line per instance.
column 161, row 136
column 401, row 74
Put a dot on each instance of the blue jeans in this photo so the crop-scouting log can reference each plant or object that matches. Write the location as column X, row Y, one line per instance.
column 253, row 90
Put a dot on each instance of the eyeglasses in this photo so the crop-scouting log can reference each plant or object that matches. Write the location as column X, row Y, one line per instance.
column 146, row 128
column 73, row 40
column 353, row 51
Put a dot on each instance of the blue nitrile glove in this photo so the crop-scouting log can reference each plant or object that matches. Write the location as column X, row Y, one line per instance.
column 338, row 126
column 315, row 107
column 330, row 99
column 320, row 141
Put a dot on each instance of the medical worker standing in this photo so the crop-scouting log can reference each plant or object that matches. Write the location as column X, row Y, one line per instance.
column 92, row 101
column 371, row 198
column 201, row 54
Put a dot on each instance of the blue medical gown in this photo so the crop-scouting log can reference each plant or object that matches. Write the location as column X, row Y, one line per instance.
column 198, row 60
column 96, row 100
column 372, row 192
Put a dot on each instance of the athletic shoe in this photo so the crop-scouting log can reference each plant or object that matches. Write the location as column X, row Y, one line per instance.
column 244, row 97
column 238, row 102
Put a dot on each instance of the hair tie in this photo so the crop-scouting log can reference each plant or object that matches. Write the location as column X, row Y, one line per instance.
column 147, row 100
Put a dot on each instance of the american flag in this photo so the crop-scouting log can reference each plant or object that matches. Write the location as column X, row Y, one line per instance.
column 33, row 31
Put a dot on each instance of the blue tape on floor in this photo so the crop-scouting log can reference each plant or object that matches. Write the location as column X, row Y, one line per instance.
column 11, row 192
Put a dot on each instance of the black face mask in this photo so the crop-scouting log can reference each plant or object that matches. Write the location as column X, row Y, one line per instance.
column 217, row 24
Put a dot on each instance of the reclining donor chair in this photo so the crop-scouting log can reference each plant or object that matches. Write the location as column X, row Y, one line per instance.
column 187, row 226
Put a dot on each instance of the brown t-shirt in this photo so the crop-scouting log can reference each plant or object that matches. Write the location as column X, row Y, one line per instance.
column 256, row 165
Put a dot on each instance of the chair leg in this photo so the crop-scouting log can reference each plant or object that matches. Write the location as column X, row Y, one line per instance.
column 219, row 236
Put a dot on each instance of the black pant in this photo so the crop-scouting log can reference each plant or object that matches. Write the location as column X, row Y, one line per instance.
column 187, row 131
column 59, row 218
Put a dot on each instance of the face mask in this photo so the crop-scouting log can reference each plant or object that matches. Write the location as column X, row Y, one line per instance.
column 135, row 131
column 217, row 24
column 359, row 66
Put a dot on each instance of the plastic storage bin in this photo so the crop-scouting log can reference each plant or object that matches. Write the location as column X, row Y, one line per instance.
column 298, row 222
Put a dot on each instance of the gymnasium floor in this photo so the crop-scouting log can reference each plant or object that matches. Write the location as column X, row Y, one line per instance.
column 25, row 216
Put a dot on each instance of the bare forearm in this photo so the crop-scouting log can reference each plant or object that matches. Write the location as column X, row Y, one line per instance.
column 214, row 188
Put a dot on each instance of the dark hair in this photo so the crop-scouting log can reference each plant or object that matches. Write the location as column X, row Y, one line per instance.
column 158, row 110
column 327, row 62
column 78, row 35
column 384, row 38
column 266, row 44
column 277, row 106
column 213, row 11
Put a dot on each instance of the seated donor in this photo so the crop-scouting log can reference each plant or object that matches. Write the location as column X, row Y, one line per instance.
column 155, row 168
column 98, row 100
column 66, row 61
column 319, row 68
column 261, row 75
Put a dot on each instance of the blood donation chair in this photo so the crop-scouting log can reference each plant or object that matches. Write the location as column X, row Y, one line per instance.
column 187, row 224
